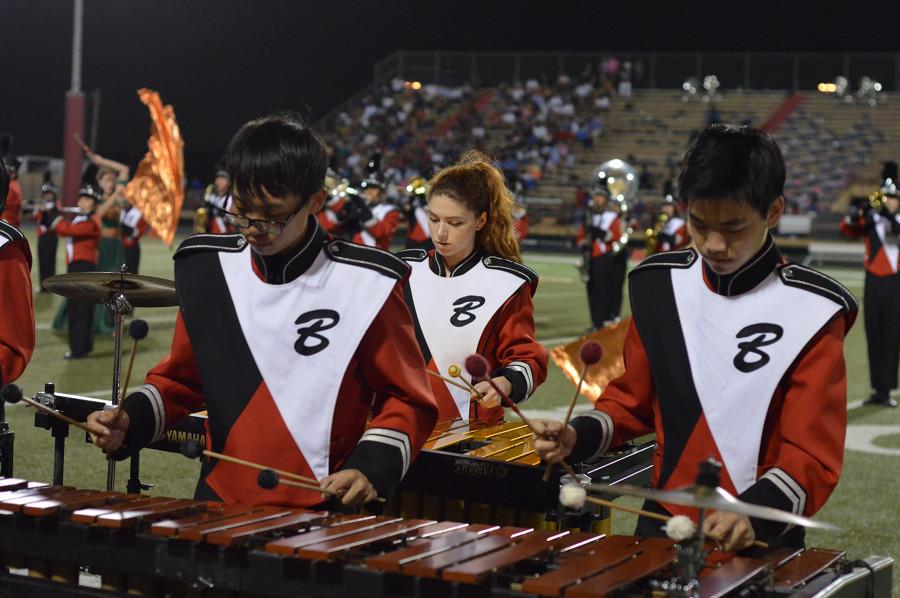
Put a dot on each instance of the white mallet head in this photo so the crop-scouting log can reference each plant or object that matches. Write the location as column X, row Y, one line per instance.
column 572, row 496
column 680, row 528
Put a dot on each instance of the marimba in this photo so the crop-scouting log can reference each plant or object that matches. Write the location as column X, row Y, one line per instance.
column 472, row 471
column 167, row 546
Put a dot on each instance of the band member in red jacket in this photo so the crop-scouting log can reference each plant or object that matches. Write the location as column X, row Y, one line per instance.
column 881, row 295
column 17, row 323
column 82, row 247
column 289, row 339
column 383, row 217
column 600, row 239
column 732, row 353
column 471, row 293
column 132, row 226
column 673, row 232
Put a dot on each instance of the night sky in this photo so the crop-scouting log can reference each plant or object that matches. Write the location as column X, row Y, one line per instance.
column 222, row 62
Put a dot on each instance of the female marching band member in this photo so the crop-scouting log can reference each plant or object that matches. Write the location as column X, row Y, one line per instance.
column 471, row 293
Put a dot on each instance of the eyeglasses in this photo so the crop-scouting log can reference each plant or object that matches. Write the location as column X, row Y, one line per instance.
column 266, row 227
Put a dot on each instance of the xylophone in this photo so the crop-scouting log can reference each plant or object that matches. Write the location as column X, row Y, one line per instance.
column 166, row 546
column 465, row 471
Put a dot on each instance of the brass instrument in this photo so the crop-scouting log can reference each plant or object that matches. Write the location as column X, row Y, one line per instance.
column 621, row 178
column 651, row 235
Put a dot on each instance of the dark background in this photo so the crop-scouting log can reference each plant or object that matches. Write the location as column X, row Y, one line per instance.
column 221, row 62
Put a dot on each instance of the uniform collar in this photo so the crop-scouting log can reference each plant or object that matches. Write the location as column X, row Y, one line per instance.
column 748, row 276
column 439, row 267
column 286, row 267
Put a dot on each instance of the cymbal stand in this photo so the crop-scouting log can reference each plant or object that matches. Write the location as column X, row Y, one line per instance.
column 119, row 305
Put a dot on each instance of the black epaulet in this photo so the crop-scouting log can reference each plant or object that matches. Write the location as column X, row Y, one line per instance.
column 367, row 257
column 412, row 255
column 522, row 271
column 801, row 277
column 10, row 232
column 683, row 258
column 203, row 242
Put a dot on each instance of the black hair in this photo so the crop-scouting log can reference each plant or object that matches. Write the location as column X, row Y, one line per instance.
column 737, row 163
column 277, row 154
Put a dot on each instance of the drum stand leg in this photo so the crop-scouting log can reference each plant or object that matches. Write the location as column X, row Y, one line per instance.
column 119, row 305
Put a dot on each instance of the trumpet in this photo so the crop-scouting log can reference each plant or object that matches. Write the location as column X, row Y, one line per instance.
column 651, row 235
column 73, row 210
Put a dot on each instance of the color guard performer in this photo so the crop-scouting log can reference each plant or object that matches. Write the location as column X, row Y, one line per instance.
column 732, row 353
column 471, row 293
column 17, row 323
column 133, row 226
column 81, row 256
column 881, row 295
column 289, row 338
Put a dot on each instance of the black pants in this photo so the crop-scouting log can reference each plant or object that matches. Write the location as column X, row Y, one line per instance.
column 46, row 249
column 881, row 307
column 133, row 258
column 604, row 288
column 81, row 317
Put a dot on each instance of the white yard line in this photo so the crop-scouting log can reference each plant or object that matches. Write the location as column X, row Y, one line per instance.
column 156, row 320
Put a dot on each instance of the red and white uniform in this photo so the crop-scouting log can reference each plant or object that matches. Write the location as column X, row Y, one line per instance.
column 607, row 230
column 673, row 236
column 882, row 250
column 17, row 323
column 484, row 306
column 290, row 368
column 379, row 231
column 133, row 226
column 418, row 224
column 84, row 237
column 328, row 215
column 521, row 224
column 217, row 206
column 747, row 369
column 13, row 208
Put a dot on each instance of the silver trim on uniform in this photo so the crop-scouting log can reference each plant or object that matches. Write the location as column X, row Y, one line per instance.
column 394, row 438
column 606, row 423
column 525, row 369
column 159, row 409
column 789, row 487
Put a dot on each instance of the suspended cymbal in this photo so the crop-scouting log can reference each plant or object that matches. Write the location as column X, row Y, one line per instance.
column 97, row 287
column 716, row 499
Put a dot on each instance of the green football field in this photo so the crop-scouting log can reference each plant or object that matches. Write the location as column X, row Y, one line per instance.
column 866, row 504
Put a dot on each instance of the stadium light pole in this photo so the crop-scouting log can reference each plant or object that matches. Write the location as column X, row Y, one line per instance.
column 74, row 123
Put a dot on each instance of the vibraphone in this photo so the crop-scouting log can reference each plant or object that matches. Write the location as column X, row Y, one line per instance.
column 163, row 546
column 471, row 471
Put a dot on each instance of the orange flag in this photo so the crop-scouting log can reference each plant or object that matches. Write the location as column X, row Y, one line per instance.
column 612, row 339
column 157, row 189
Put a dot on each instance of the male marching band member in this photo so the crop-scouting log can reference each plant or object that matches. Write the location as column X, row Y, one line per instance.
column 673, row 234
column 334, row 202
column 289, row 338
column 598, row 237
column 11, row 212
column 383, row 217
column 47, row 239
column 881, row 294
column 417, row 232
column 732, row 353
column 133, row 227
column 471, row 293
column 217, row 202
column 17, row 323
column 81, row 256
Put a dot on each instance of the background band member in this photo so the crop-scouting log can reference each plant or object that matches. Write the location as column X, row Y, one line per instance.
column 292, row 362
column 731, row 353
column 47, row 241
column 81, row 256
column 17, row 323
column 132, row 226
column 598, row 238
column 471, row 293
column 673, row 233
column 12, row 208
column 881, row 294
column 217, row 202
column 334, row 202
column 418, row 235
column 383, row 217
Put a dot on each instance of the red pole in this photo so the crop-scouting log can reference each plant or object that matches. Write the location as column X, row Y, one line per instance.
column 73, row 156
